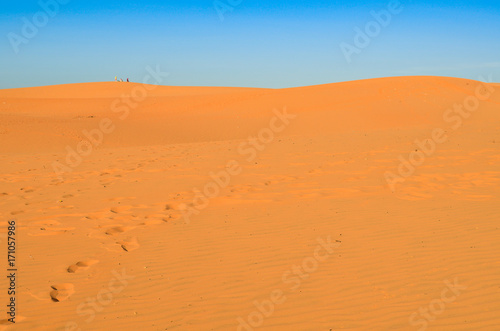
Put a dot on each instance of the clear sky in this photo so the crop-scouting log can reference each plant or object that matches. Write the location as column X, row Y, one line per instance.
column 248, row 43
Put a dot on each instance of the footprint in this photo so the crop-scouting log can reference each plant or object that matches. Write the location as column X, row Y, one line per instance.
column 129, row 244
column 118, row 229
column 171, row 217
column 155, row 216
column 120, row 209
column 61, row 292
column 176, row 206
column 85, row 264
column 19, row 318
column 152, row 222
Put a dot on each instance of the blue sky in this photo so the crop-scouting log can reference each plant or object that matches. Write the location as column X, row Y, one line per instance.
column 257, row 44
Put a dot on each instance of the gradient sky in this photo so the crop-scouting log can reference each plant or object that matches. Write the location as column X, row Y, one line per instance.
column 258, row 44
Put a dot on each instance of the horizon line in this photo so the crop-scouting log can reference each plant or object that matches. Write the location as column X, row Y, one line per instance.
column 252, row 87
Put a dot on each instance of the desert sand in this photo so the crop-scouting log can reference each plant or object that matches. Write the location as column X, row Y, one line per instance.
column 175, row 218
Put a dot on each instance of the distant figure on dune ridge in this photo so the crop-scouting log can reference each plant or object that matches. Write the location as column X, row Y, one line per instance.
column 127, row 80
column 121, row 80
column 116, row 78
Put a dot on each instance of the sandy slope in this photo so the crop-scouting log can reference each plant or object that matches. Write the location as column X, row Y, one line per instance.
column 120, row 240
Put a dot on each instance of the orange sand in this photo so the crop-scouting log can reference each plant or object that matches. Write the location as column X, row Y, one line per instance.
column 196, row 263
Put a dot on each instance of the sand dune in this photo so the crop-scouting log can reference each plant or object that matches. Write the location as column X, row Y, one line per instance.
column 365, row 205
